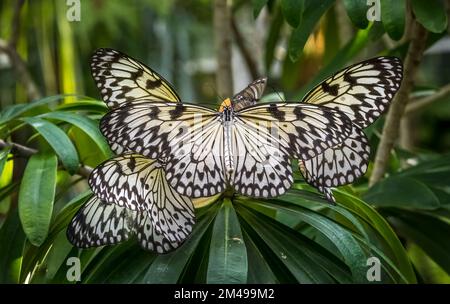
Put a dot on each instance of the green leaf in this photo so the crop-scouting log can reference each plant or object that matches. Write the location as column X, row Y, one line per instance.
column 259, row 271
column 95, row 106
column 35, row 255
column 400, row 192
column 311, row 15
column 58, row 140
column 227, row 255
column 36, row 195
column 431, row 14
column 3, row 157
column 307, row 261
column 89, row 126
column 293, row 11
column 357, row 12
column 12, row 240
column 258, row 6
column 428, row 232
column 393, row 17
column 15, row 111
column 377, row 222
column 346, row 244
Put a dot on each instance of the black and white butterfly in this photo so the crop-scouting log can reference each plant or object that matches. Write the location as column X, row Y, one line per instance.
column 207, row 151
column 131, row 185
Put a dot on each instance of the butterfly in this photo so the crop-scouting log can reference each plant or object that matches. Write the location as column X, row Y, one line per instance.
column 248, row 148
column 131, row 192
column 363, row 92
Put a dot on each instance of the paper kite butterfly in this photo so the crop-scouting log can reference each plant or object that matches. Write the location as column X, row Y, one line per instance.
column 170, row 152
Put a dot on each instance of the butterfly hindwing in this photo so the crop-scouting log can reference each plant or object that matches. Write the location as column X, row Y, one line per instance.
column 362, row 91
column 262, row 167
column 98, row 223
column 122, row 79
column 339, row 165
column 250, row 95
column 138, row 183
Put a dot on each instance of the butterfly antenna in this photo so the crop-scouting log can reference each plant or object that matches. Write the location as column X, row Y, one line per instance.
column 213, row 87
column 279, row 95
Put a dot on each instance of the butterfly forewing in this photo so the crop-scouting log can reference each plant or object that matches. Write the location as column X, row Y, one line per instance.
column 362, row 91
column 154, row 129
column 122, row 79
column 303, row 130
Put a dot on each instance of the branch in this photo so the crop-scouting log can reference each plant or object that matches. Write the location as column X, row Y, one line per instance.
column 21, row 70
column 397, row 108
column 24, row 151
column 246, row 54
column 426, row 101
column 222, row 35
column 15, row 24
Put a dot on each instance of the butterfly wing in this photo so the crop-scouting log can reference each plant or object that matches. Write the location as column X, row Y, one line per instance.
column 98, row 223
column 302, row 130
column 362, row 91
column 266, row 137
column 189, row 136
column 250, row 95
column 339, row 165
column 122, row 79
column 263, row 168
column 139, row 183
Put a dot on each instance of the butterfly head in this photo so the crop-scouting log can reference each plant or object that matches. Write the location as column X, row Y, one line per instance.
column 226, row 104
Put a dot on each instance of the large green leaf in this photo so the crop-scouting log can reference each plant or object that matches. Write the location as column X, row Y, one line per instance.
column 34, row 256
column 58, row 140
column 89, row 126
column 393, row 17
column 352, row 253
column 429, row 232
column 402, row 192
column 15, row 111
column 307, row 261
column 293, row 11
column 259, row 271
column 380, row 225
column 228, row 255
column 311, row 15
column 431, row 14
column 357, row 11
column 36, row 195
